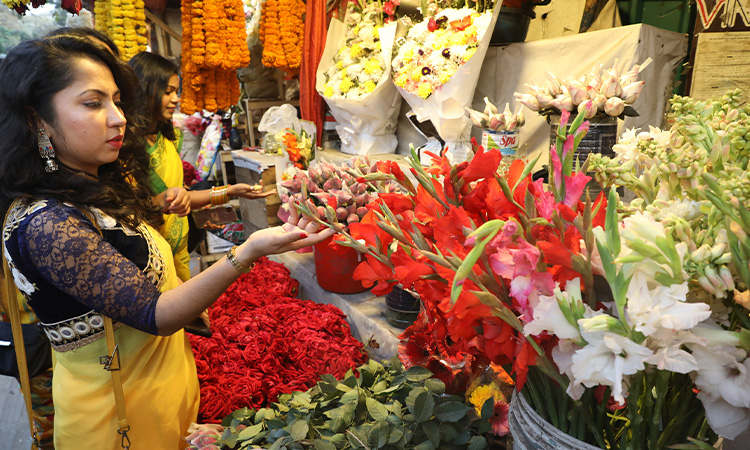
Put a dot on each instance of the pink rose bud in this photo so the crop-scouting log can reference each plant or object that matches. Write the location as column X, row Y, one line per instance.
column 527, row 100
column 577, row 92
column 599, row 102
column 631, row 92
column 563, row 102
column 587, row 108
column 614, row 106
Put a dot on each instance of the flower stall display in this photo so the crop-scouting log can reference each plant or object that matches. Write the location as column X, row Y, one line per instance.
column 354, row 79
column 267, row 344
column 298, row 146
column 624, row 325
column 343, row 188
column 213, row 48
column 382, row 406
column 282, row 34
column 598, row 92
column 124, row 21
column 436, row 68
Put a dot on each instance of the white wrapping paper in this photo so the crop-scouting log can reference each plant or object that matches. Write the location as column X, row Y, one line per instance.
column 366, row 125
column 446, row 107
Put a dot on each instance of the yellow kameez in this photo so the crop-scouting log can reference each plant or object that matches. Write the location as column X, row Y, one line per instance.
column 166, row 172
column 159, row 379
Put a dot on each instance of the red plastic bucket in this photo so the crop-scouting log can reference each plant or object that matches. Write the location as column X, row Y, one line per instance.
column 334, row 268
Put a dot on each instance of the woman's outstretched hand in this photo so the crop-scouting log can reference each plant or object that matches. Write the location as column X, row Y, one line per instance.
column 300, row 231
column 176, row 201
column 246, row 191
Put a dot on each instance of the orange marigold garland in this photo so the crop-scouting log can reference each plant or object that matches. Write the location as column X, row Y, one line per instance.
column 282, row 33
column 213, row 48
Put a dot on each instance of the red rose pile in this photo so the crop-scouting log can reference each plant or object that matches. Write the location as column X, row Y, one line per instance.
column 266, row 343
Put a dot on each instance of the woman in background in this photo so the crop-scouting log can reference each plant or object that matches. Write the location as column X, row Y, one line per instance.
column 159, row 100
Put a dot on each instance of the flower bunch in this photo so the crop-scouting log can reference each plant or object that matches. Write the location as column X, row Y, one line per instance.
column 213, row 48
column 599, row 308
column 597, row 92
column 266, row 343
column 327, row 185
column 298, row 146
column 124, row 21
column 358, row 66
column 281, row 32
column 491, row 119
column 436, row 48
column 196, row 124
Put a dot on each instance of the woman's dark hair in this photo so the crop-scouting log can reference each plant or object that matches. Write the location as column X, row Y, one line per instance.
column 85, row 32
column 154, row 72
column 32, row 74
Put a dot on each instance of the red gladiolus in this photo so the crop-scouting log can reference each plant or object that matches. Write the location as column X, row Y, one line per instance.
column 371, row 271
column 391, row 167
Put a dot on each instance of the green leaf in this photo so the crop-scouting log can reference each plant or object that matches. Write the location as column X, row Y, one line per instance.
column 260, row 415
column 336, row 425
column 462, row 438
column 397, row 409
column 426, row 445
column 468, row 264
column 432, row 431
column 379, row 435
column 417, row 373
column 356, row 438
column 350, row 398
column 395, row 436
column 451, row 411
column 299, row 430
column 447, row 432
column 477, row 443
column 488, row 408
column 275, row 424
column 377, row 410
column 280, row 443
column 320, row 444
column 250, row 432
column 338, row 439
column 424, row 406
column 435, row 385
column 380, row 386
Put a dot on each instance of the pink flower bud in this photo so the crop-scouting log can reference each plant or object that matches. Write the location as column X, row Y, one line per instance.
column 588, row 109
column 577, row 92
column 563, row 102
column 527, row 100
column 614, row 106
column 609, row 86
column 631, row 92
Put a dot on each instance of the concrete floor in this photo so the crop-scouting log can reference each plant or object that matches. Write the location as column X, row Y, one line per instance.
column 14, row 427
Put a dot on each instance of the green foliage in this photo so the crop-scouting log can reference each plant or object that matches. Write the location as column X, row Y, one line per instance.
column 382, row 407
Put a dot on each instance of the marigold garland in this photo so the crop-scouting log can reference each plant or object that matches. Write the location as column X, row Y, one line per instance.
column 124, row 21
column 282, row 33
column 213, row 48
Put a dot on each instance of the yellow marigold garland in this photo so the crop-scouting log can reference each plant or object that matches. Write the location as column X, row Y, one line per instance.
column 124, row 21
column 282, row 33
column 213, row 48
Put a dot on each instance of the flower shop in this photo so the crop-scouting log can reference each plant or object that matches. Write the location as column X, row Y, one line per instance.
column 541, row 215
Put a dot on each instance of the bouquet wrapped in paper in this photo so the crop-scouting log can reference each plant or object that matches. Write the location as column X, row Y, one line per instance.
column 436, row 68
column 354, row 79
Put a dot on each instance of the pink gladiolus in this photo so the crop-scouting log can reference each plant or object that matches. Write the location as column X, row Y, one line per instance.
column 574, row 186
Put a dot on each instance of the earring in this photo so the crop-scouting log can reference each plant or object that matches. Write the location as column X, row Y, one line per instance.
column 46, row 151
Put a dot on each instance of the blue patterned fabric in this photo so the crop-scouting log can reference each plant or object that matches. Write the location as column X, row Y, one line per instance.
column 67, row 270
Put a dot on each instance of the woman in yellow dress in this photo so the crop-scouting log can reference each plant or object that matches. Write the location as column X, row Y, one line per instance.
column 80, row 245
column 159, row 95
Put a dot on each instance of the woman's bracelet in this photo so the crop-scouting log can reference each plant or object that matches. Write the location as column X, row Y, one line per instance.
column 238, row 265
column 219, row 195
